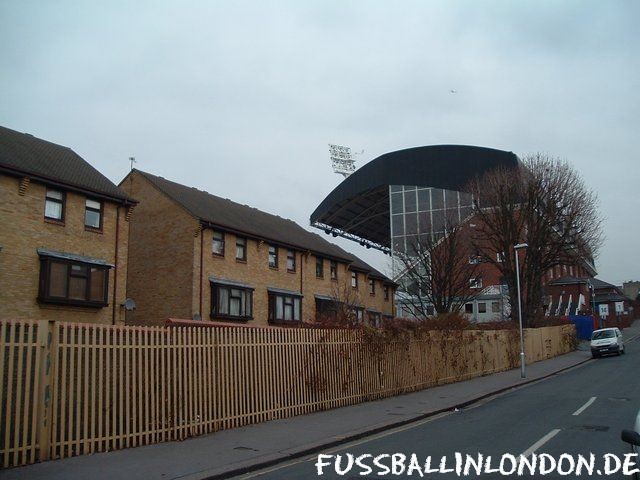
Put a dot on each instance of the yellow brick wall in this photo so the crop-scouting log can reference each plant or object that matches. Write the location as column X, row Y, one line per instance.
column 165, row 257
column 23, row 230
column 161, row 255
column 333, row 288
column 257, row 274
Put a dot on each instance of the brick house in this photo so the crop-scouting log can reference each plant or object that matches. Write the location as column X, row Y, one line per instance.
column 196, row 255
column 64, row 235
column 570, row 295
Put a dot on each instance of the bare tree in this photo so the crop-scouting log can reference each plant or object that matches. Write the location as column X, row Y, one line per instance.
column 343, row 307
column 438, row 270
column 545, row 204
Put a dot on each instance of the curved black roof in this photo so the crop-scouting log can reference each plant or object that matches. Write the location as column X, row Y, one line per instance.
column 358, row 208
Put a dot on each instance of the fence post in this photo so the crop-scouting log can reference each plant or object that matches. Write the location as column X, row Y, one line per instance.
column 46, row 345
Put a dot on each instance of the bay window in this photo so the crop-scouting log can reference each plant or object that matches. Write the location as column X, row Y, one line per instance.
column 68, row 282
column 284, row 306
column 231, row 301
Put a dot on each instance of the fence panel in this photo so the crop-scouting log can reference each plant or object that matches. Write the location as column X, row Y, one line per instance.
column 69, row 389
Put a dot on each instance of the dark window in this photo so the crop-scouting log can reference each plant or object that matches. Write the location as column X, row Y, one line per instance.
column 241, row 248
column 372, row 286
column 291, row 261
column 231, row 302
column 217, row 246
column 358, row 314
column 54, row 205
column 386, row 292
column 482, row 307
column 319, row 267
column 273, row 256
column 93, row 214
column 375, row 319
column 468, row 308
column 333, row 266
column 354, row 279
column 73, row 283
column 495, row 307
column 284, row 308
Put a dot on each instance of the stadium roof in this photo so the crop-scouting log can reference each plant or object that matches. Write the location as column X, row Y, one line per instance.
column 358, row 208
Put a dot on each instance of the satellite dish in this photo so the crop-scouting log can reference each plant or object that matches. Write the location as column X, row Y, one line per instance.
column 129, row 304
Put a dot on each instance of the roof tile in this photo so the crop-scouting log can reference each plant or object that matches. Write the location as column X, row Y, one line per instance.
column 25, row 154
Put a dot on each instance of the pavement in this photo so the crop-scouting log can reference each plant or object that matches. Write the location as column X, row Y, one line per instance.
column 233, row 452
column 580, row 411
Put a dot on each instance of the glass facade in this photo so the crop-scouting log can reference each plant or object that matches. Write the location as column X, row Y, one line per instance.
column 421, row 211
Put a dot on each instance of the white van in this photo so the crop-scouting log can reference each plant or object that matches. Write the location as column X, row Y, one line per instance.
column 606, row 341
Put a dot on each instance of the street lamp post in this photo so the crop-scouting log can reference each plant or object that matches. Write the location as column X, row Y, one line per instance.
column 517, row 247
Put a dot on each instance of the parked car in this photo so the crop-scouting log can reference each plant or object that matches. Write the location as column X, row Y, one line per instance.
column 606, row 341
column 632, row 437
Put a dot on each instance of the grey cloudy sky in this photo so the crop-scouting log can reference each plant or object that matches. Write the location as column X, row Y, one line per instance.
column 242, row 98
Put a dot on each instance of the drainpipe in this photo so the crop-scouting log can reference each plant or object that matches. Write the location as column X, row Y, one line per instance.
column 115, row 266
column 201, row 267
column 302, row 262
column 302, row 258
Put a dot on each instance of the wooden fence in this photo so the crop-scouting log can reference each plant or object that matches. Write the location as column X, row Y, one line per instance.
column 70, row 389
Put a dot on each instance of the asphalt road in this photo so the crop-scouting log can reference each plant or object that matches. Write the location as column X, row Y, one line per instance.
column 580, row 411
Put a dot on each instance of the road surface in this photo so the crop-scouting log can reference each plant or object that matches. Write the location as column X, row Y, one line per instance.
column 580, row 411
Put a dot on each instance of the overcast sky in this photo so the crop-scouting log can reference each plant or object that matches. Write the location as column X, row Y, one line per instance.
column 242, row 98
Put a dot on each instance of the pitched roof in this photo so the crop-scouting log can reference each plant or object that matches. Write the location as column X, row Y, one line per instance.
column 235, row 217
column 609, row 297
column 569, row 280
column 597, row 283
column 24, row 154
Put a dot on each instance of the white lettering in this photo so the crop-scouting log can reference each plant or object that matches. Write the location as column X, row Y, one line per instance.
column 458, row 463
column 320, row 463
column 589, row 466
column 414, row 465
column 443, row 465
column 397, row 463
column 568, row 459
column 427, row 466
column 487, row 466
column 384, row 470
column 367, row 469
column 514, row 464
column 471, row 462
column 627, row 467
column 338, row 464
column 530, row 464
column 544, row 457
column 608, row 459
